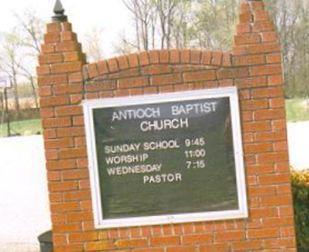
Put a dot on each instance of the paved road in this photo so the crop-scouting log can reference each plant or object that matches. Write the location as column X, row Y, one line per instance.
column 24, row 210
column 298, row 136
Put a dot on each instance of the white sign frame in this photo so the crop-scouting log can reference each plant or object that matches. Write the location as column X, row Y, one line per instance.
column 101, row 223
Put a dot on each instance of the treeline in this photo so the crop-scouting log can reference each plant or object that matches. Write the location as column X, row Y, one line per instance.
column 292, row 21
column 164, row 24
column 19, row 52
column 210, row 24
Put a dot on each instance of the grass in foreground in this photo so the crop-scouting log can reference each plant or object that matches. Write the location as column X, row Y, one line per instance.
column 297, row 110
column 23, row 128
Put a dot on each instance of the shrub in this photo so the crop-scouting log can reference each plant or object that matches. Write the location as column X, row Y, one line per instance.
column 300, row 187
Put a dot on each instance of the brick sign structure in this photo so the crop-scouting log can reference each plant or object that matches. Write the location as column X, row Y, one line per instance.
column 253, row 67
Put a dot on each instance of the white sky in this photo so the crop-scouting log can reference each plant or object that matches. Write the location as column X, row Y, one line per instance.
column 109, row 15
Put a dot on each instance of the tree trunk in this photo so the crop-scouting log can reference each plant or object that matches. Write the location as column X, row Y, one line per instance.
column 15, row 92
column 35, row 97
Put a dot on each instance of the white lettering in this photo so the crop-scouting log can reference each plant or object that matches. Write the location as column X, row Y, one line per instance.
column 124, row 148
column 162, row 178
column 132, row 114
column 135, row 169
column 165, row 124
column 126, row 159
column 196, row 108
column 161, row 145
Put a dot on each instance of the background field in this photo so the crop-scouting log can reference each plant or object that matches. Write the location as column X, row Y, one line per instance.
column 24, row 128
column 297, row 110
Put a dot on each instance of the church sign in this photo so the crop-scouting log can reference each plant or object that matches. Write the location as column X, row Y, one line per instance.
column 166, row 158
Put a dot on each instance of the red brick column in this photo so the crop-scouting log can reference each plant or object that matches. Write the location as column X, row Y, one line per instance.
column 253, row 66
column 61, row 91
column 257, row 48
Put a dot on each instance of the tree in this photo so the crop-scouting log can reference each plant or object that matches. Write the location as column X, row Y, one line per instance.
column 93, row 44
column 291, row 19
column 158, row 24
column 31, row 30
column 166, row 12
column 215, row 23
column 20, row 51
column 183, row 23
column 9, row 62
column 124, row 45
column 210, row 24
column 183, row 30
column 144, row 16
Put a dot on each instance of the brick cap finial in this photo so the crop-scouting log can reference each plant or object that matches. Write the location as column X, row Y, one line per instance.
column 59, row 13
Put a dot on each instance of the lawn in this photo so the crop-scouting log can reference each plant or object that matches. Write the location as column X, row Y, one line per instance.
column 24, row 128
column 297, row 110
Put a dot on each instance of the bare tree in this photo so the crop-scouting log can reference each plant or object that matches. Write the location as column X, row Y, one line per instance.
column 31, row 31
column 20, row 51
column 25, row 72
column 10, row 61
column 291, row 18
column 154, row 21
column 211, row 24
column 166, row 10
column 94, row 44
column 143, row 13
column 124, row 45
column 183, row 23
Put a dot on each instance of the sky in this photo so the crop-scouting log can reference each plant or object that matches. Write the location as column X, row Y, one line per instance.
column 110, row 16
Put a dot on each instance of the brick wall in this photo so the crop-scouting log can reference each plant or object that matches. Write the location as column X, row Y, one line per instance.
column 253, row 65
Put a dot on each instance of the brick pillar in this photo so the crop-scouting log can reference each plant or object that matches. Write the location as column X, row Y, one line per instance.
column 61, row 91
column 257, row 48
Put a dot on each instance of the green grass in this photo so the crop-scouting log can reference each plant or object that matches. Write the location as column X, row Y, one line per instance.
column 24, row 128
column 296, row 110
